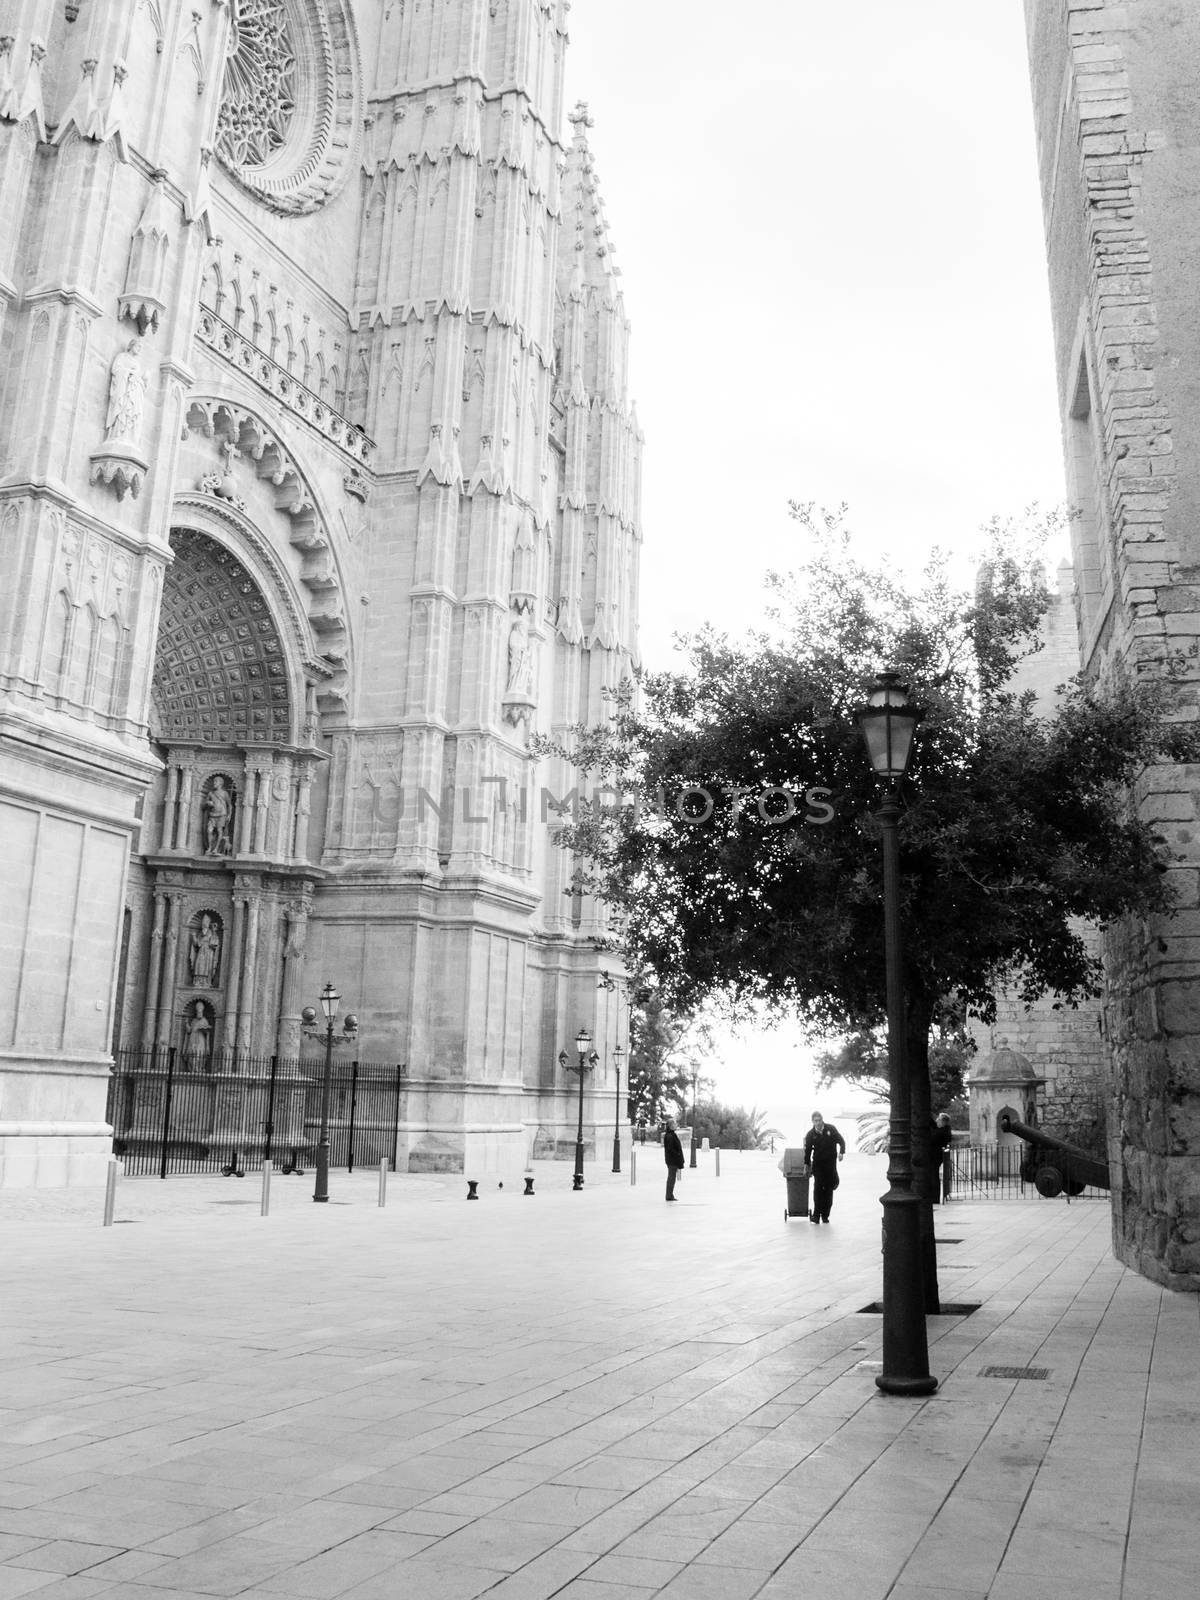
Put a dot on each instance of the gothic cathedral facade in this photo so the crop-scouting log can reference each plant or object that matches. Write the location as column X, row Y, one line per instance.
column 1116, row 93
column 319, row 496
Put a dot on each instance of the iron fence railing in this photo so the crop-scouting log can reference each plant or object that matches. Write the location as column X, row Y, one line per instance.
column 169, row 1119
column 994, row 1172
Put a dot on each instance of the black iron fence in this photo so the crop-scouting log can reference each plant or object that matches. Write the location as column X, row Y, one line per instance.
column 994, row 1172
column 168, row 1118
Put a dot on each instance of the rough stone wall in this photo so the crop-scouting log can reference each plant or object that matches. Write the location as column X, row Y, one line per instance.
column 1118, row 121
column 1065, row 1045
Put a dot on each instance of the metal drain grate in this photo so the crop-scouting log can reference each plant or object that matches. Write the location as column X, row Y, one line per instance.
column 1015, row 1372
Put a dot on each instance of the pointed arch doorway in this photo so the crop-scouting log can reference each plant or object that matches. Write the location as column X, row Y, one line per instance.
column 221, row 886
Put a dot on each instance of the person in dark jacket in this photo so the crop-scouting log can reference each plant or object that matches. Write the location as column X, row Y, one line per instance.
column 941, row 1140
column 672, row 1155
column 823, row 1149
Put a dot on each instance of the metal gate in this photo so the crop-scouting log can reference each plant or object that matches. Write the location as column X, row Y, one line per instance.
column 169, row 1119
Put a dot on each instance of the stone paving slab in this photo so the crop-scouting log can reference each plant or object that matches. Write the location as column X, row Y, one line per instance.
column 578, row 1395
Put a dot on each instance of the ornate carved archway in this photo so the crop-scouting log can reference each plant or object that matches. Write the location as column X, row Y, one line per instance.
column 243, row 440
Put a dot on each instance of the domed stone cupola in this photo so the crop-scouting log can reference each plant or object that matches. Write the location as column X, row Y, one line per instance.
column 1004, row 1078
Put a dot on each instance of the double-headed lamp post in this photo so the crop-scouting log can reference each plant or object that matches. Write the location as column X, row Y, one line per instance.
column 587, row 1058
column 888, row 723
column 330, row 1000
column 618, row 1055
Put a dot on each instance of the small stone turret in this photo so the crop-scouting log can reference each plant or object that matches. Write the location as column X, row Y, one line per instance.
column 1005, row 1078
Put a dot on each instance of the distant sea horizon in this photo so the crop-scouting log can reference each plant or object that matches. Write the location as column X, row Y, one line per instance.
column 794, row 1121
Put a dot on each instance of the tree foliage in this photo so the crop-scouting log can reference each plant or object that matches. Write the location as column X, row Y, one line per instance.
column 667, row 1052
column 733, row 1127
column 744, row 855
column 862, row 1060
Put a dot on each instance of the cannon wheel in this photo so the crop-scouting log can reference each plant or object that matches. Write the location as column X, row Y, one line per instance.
column 1048, row 1181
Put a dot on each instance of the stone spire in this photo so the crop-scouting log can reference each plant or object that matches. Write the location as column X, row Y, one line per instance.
column 587, row 253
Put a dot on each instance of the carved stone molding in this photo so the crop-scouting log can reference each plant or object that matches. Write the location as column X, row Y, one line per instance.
column 120, row 468
column 144, row 296
column 244, row 438
column 218, row 335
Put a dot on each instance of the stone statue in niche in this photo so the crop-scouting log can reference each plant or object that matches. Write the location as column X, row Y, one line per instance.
column 218, row 819
column 126, row 396
column 520, row 657
column 204, row 954
column 197, row 1038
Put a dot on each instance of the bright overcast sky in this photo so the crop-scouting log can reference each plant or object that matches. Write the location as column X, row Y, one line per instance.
column 829, row 230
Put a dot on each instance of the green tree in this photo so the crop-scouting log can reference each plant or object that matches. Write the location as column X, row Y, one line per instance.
column 745, row 859
column 862, row 1060
column 733, row 1127
column 667, row 1049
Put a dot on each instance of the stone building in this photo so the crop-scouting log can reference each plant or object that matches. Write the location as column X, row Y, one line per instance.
column 1117, row 109
column 319, row 490
column 1064, row 1044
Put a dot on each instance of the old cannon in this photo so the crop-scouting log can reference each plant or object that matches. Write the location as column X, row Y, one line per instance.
column 1052, row 1165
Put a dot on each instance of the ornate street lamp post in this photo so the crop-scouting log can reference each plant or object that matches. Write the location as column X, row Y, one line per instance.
column 888, row 723
column 618, row 1055
column 692, row 1144
column 330, row 999
column 582, row 1040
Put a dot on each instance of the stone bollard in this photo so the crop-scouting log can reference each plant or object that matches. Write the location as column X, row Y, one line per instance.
column 110, row 1190
column 383, row 1182
column 717, row 1158
column 632, row 1168
column 529, row 1183
column 472, row 1185
column 265, row 1207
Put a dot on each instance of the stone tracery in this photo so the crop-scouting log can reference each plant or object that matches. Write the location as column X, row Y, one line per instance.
column 259, row 98
column 289, row 122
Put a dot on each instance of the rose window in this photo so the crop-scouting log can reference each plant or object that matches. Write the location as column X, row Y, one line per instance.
column 259, row 97
column 289, row 121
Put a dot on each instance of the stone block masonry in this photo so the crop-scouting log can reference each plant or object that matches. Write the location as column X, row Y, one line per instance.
column 1114, row 92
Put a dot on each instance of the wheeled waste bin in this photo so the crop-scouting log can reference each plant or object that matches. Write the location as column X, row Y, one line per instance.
column 796, row 1176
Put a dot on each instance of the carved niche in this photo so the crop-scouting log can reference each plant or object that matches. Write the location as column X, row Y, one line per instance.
column 217, row 807
column 206, row 937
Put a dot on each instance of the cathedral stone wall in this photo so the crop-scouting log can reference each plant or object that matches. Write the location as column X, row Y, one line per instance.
column 319, row 494
column 1118, row 125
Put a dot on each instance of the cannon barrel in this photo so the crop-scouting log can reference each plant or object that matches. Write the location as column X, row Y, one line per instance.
column 1063, row 1165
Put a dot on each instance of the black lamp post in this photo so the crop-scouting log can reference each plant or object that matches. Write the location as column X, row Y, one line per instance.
column 330, row 999
column 582, row 1040
column 618, row 1056
column 888, row 723
column 692, row 1145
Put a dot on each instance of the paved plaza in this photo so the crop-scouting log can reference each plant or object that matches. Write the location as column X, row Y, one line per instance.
column 587, row 1396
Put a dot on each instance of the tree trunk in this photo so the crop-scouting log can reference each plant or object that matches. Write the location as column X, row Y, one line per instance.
column 925, row 1176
